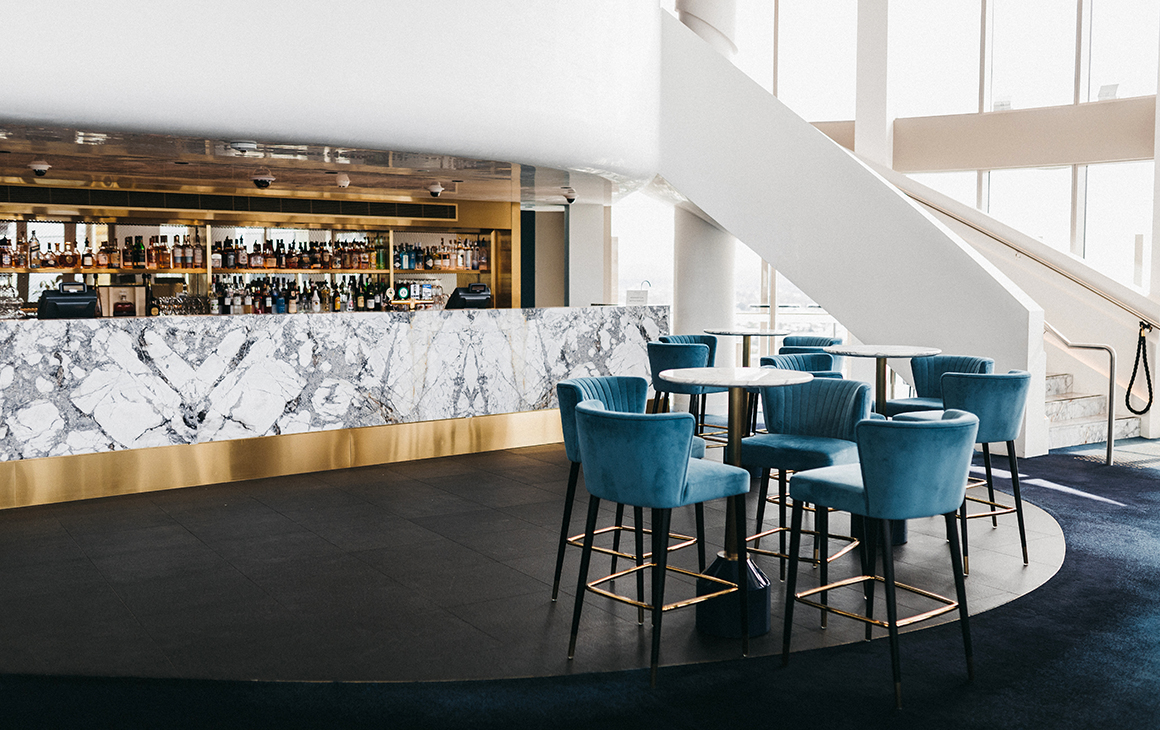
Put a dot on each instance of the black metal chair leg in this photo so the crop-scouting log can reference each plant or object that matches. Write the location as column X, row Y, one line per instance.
column 990, row 482
column 795, row 542
column 1014, row 461
column 963, row 520
column 660, row 549
column 742, row 569
column 638, row 518
column 869, row 564
column 616, row 535
column 891, row 608
column 582, row 580
column 656, row 408
column 783, row 498
column 573, row 477
column 762, row 500
column 961, row 594
column 699, row 511
column 822, row 527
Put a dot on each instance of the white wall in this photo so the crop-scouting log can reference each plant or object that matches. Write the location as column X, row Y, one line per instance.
column 589, row 242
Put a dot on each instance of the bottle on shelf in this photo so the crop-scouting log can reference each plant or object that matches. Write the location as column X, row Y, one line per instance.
column 124, row 307
column 87, row 260
column 198, row 254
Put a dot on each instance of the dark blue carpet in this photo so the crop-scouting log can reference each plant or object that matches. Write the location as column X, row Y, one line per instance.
column 1083, row 651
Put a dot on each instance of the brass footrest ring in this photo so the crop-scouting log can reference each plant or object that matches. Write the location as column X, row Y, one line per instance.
column 730, row 587
column 949, row 605
column 578, row 541
column 851, row 543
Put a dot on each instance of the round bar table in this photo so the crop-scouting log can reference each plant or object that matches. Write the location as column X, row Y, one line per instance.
column 880, row 353
column 719, row 617
column 746, row 337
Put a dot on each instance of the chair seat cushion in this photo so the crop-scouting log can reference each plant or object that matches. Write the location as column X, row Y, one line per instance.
column 786, row 451
column 698, row 451
column 708, row 480
column 839, row 487
column 905, row 405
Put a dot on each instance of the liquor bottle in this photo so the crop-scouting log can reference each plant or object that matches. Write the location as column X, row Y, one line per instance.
column 241, row 256
column 124, row 307
column 152, row 309
column 256, row 260
column 33, row 252
column 198, row 254
column 291, row 259
column 280, row 256
column 165, row 254
column 19, row 252
column 482, row 258
column 215, row 256
column 114, row 253
column 215, row 299
column 87, row 256
column 102, row 261
column 315, row 301
column 336, row 299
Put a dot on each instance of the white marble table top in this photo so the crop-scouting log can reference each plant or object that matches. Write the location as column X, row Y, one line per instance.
column 747, row 333
column 882, row 350
column 736, row 377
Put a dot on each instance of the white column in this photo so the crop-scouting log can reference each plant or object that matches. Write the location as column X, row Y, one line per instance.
column 873, row 125
column 589, row 230
column 703, row 257
column 714, row 20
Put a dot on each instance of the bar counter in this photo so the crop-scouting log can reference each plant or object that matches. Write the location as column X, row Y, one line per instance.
column 77, row 387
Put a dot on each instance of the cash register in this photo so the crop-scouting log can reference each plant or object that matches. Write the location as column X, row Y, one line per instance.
column 73, row 300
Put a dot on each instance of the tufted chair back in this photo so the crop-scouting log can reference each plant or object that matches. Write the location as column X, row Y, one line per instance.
column 928, row 371
column 617, row 393
column 707, row 340
column 824, row 407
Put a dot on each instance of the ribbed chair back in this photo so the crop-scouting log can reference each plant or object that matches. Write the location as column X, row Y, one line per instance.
column 823, row 407
column 635, row 458
column 913, row 469
column 810, row 362
column 708, row 340
column 928, row 371
column 809, row 341
column 617, row 393
column 665, row 356
column 999, row 400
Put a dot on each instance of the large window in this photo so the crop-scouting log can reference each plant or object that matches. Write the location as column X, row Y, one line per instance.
column 1118, row 224
column 1124, row 39
column 1033, row 53
column 1035, row 201
column 817, row 58
column 934, row 57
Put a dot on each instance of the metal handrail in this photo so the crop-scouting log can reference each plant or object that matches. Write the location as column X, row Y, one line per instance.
column 1037, row 259
column 1111, row 380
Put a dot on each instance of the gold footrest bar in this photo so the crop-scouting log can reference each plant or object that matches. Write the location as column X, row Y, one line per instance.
column 947, row 608
column 731, row 587
column 1000, row 509
column 578, row 541
column 851, row 543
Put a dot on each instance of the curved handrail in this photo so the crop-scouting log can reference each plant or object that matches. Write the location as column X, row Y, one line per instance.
column 1111, row 380
column 1037, row 259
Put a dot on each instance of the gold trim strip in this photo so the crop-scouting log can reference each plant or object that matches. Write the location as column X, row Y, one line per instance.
column 86, row 476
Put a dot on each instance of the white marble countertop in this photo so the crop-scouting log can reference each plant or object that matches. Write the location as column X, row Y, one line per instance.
column 736, row 377
column 882, row 350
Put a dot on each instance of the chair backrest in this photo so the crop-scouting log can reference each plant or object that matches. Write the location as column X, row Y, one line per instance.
column 914, row 469
column 999, row 401
column 664, row 356
column 810, row 362
column 823, row 407
column 638, row 459
column 708, row 340
column 810, row 341
column 928, row 371
column 617, row 393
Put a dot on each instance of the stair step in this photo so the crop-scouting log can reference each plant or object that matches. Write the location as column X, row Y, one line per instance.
column 1070, row 406
column 1058, row 383
column 1090, row 430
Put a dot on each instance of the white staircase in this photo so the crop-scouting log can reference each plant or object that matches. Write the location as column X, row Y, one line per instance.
column 1080, row 418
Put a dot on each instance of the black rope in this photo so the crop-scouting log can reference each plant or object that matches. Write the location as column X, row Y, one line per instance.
column 1141, row 354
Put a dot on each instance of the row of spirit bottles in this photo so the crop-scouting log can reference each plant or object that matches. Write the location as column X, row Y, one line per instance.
column 135, row 254
column 283, row 295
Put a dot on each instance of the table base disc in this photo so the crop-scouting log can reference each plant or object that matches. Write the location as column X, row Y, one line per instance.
column 718, row 617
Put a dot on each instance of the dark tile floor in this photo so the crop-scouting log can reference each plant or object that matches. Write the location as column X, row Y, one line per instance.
column 436, row 569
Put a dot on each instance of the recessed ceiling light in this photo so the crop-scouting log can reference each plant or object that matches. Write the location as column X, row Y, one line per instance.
column 456, row 181
column 180, row 162
column 331, row 172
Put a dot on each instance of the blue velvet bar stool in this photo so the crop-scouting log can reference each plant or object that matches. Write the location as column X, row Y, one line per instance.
column 999, row 400
column 809, row 426
column 906, row 470
column 798, row 344
column 644, row 460
column 620, row 393
column 670, row 356
column 821, row 364
column 928, row 372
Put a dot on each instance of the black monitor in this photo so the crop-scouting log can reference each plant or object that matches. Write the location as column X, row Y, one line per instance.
column 472, row 296
column 73, row 301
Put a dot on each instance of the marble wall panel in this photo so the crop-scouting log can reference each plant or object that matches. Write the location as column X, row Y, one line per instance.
column 83, row 386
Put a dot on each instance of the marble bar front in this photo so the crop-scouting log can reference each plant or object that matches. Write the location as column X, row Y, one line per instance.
column 70, row 388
